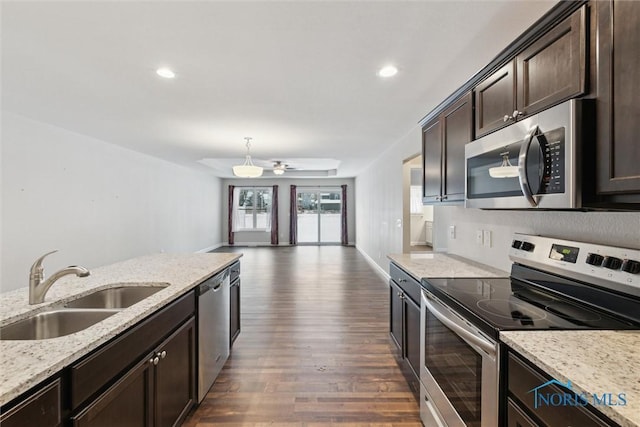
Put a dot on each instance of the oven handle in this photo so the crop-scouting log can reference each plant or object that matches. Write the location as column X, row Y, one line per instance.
column 466, row 335
column 522, row 167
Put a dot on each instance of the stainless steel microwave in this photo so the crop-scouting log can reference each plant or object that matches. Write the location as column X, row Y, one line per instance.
column 533, row 163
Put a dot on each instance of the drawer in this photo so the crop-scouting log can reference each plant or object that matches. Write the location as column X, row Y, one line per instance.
column 105, row 364
column 406, row 282
column 523, row 378
column 516, row 417
column 42, row 409
column 234, row 271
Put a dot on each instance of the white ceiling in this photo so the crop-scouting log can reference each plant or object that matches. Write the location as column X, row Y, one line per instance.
column 297, row 76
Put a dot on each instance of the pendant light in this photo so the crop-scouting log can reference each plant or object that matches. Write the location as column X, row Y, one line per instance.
column 247, row 169
column 505, row 170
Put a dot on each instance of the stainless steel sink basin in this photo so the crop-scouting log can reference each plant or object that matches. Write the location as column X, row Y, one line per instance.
column 117, row 297
column 53, row 324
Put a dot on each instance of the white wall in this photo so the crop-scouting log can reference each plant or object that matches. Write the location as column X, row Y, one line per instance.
column 94, row 201
column 379, row 190
column 607, row 228
column 260, row 238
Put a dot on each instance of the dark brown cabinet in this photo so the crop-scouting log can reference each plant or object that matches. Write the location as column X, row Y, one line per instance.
column 495, row 100
column 126, row 403
column 158, row 391
column 443, row 141
column 40, row 408
column 234, row 308
column 175, row 380
column 522, row 410
column 550, row 70
column 617, row 106
column 144, row 377
column 404, row 324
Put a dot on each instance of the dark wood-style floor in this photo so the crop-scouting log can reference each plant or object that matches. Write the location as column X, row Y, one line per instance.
column 314, row 348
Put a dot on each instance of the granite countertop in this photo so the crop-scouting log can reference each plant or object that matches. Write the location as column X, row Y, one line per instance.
column 24, row 364
column 594, row 361
column 436, row 264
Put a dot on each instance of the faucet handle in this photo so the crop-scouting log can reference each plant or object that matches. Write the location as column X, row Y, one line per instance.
column 37, row 265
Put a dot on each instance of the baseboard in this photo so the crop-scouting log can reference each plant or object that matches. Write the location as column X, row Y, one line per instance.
column 210, row 248
column 381, row 271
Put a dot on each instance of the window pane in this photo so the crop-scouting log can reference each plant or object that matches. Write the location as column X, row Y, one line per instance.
column 245, row 209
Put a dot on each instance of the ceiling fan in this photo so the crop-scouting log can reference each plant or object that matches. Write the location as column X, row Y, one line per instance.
column 279, row 168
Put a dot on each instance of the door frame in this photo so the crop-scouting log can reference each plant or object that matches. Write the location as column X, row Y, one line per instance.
column 318, row 190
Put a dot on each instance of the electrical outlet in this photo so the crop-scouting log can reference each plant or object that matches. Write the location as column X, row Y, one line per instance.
column 486, row 238
column 452, row 232
column 479, row 237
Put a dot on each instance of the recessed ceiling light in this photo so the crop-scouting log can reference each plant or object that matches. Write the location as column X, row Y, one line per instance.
column 166, row 73
column 388, row 71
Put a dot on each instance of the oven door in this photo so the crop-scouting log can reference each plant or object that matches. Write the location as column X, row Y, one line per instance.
column 458, row 369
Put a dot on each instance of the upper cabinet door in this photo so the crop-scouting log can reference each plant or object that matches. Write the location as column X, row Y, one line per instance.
column 495, row 100
column 432, row 161
column 553, row 68
column 457, row 122
column 618, row 102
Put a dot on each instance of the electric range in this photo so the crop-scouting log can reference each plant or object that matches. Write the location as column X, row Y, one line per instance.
column 554, row 284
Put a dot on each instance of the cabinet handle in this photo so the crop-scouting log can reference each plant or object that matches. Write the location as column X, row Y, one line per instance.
column 443, row 197
column 438, row 198
column 399, row 294
column 154, row 361
column 235, row 271
column 163, row 354
column 506, row 118
column 516, row 114
column 401, row 280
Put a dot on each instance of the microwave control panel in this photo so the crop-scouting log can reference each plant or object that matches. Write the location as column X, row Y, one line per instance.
column 552, row 146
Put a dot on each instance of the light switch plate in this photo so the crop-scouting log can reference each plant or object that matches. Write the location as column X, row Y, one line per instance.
column 452, row 232
column 479, row 237
column 486, row 238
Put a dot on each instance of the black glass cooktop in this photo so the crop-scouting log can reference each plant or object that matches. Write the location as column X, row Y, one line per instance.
column 509, row 304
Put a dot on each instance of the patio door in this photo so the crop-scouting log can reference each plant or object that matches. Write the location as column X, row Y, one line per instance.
column 319, row 215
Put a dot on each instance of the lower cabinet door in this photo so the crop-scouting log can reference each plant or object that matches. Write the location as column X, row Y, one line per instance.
column 175, row 376
column 234, row 311
column 125, row 404
column 412, row 338
column 395, row 315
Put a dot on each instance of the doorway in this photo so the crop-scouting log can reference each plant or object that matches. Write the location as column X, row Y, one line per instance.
column 417, row 235
column 319, row 215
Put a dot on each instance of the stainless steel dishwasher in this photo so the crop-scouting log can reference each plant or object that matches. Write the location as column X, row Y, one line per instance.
column 213, row 330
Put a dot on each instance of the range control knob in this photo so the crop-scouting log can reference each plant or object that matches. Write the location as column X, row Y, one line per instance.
column 612, row 263
column 594, row 259
column 526, row 246
column 631, row 266
column 516, row 244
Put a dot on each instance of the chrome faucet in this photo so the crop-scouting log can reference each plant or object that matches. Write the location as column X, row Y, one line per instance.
column 38, row 287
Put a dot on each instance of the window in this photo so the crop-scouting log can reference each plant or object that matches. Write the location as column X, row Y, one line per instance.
column 252, row 210
column 416, row 199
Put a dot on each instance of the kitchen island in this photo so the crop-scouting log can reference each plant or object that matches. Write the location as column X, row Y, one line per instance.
column 24, row 364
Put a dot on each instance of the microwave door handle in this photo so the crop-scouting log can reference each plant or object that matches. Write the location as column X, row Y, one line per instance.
column 469, row 337
column 522, row 167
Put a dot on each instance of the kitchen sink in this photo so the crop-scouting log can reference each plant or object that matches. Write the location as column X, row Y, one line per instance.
column 117, row 297
column 53, row 324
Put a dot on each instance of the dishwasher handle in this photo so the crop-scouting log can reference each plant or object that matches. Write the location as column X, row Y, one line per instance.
column 214, row 284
